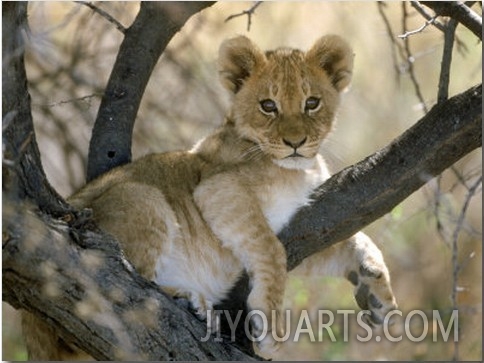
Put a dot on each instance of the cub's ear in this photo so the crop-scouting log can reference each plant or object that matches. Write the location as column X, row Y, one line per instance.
column 335, row 56
column 238, row 58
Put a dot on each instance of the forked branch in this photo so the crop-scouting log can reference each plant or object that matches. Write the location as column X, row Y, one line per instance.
column 104, row 14
column 460, row 12
column 145, row 40
column 249, row 12
column 51, row 266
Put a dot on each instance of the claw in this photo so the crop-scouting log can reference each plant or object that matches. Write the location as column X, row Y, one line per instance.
column 373, row 293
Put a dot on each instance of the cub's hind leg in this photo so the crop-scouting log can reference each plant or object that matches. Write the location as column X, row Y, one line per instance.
column 146, row 225
column 141, row 220
column 360, row 261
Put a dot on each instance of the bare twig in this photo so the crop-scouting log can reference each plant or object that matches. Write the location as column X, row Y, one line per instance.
column 421, row 10
column 444, row 210
column 449, row 35
column 456, row 267
column 72, row 100
column 437, row 208
column 410, row 59
column 104, row 14
column 249, row 12
column 459, row 11
column 391, row 36
column 462, row 179
column 418, row 30
column 473, row 190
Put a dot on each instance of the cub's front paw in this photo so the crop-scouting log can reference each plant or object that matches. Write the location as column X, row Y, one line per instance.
column 373, row 290
column 264, row 335
column 267, row 321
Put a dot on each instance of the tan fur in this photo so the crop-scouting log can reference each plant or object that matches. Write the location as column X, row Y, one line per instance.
column 193, row 221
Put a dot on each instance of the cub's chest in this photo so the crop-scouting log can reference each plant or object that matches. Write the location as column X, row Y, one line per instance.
column 282, row 197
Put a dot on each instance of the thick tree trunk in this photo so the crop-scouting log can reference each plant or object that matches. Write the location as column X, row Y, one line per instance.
column 41, row 255
column 75, row 277
column 78, row 280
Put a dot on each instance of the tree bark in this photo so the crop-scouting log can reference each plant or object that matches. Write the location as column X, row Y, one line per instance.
column 22, row 169
column 460, row 12
column 349, row 200
column 76, row 278
column 364, row 192
column 144, row 42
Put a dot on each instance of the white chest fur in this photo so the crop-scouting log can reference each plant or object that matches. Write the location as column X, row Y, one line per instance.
column 284, row 197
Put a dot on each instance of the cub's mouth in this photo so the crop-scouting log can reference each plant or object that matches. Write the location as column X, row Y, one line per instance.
column 299, row 153
column 298, row 162
column 295, row 154
column 281, row 152
column 295, row 145
column 290, row 154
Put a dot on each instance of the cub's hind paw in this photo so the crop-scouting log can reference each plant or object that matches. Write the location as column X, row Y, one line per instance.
column 373, row 292
column 266, row 344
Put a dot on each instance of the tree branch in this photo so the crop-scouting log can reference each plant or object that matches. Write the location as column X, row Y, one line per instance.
column 459, row 11
column 77, row 279
column 344, row 204
column 249, row 12
column 444, row 78
column 456, row 266
column 410, row 59
column 418, row 30
column 52, row 269
column 421, row 10
column 104, row 14
column 145, row 40
column 52, row 249
column 22, row 169
column 364, row 192
column 391, row 37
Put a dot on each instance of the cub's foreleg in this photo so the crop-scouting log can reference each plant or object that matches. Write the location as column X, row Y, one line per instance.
column 234, row 215
column 360, row 261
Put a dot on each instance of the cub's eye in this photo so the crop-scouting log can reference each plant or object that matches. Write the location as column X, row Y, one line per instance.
column 311, row 104
column 268, row 106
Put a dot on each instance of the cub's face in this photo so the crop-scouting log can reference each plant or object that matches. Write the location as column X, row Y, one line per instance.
column 285, row 100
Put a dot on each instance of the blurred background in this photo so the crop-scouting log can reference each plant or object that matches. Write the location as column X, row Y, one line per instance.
column 70, row 53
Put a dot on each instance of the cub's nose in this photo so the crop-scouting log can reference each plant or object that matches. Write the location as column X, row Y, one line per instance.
column 294, row 143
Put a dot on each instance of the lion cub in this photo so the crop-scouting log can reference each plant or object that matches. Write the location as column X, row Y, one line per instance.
column 192, row 221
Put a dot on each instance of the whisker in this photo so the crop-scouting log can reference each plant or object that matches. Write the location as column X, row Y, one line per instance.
column 252, row 152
